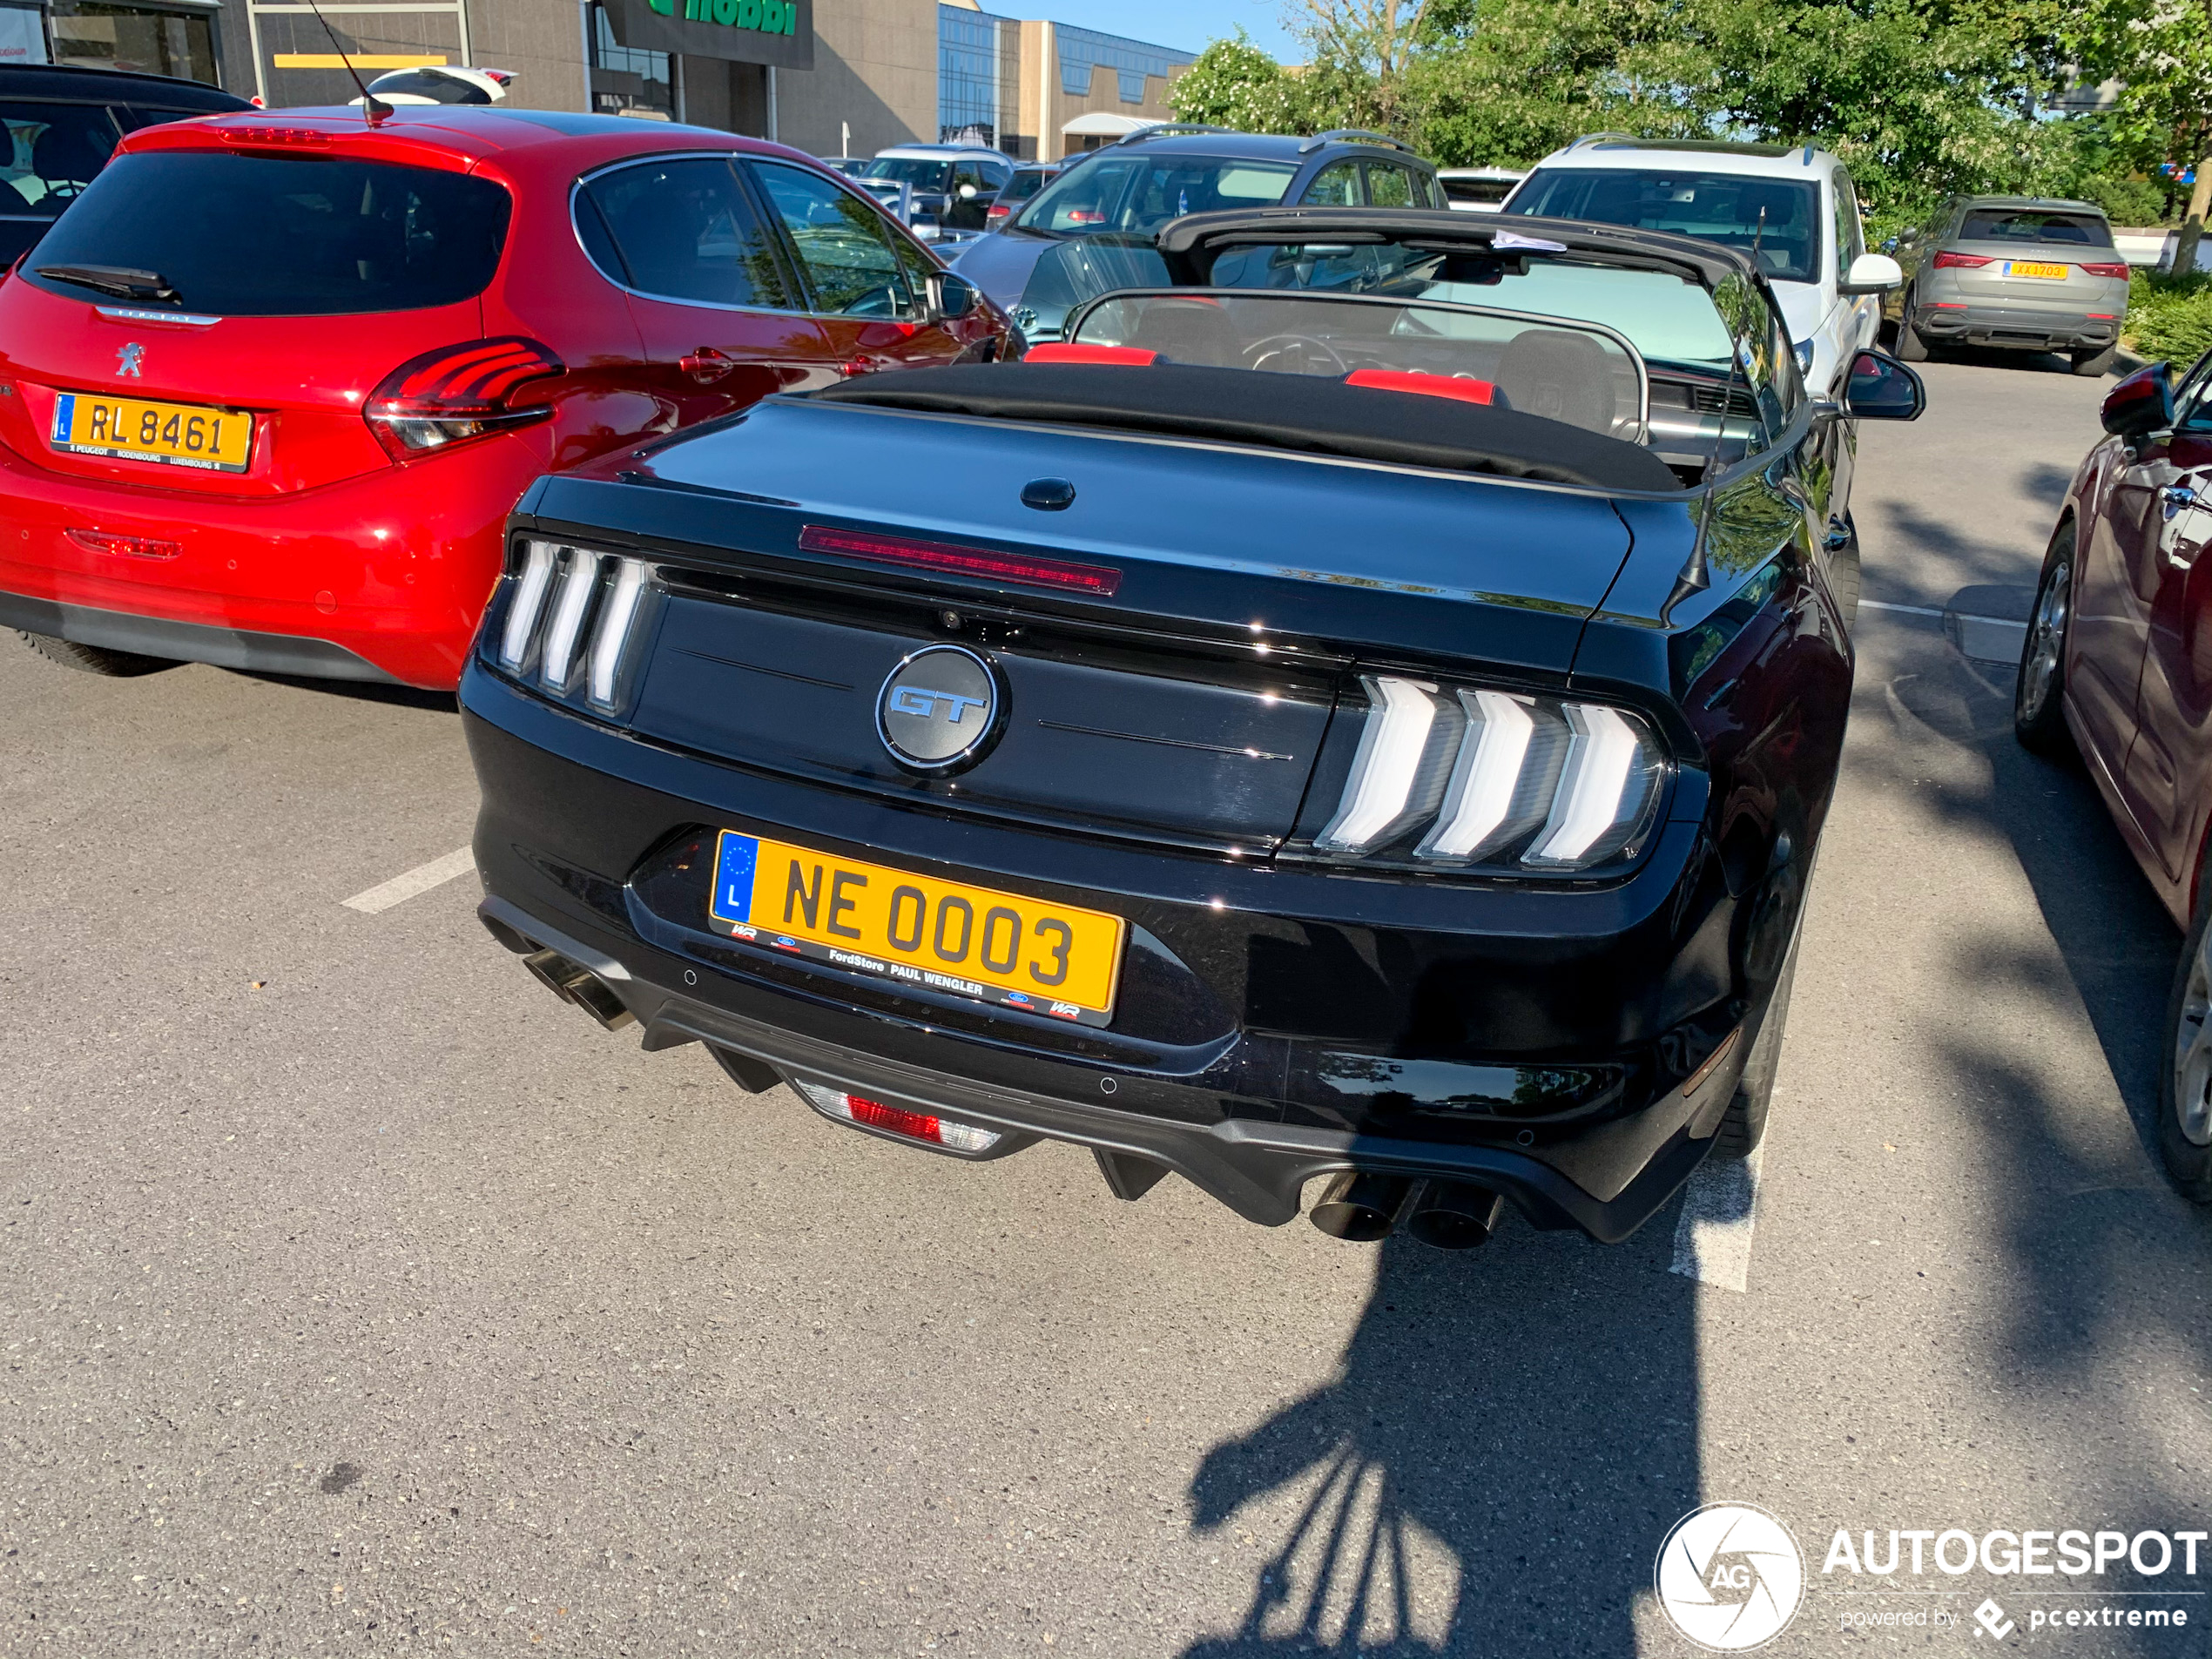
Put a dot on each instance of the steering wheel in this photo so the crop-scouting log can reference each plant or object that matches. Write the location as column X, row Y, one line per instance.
column 1294, row 355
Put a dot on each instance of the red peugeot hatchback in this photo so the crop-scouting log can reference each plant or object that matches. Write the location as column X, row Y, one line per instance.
column 2117, row 662
column 269, row 389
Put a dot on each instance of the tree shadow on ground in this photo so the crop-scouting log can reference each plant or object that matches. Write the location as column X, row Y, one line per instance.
column 1512, row 1433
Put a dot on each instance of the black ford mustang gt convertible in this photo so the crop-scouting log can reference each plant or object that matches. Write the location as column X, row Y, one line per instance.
column 1363, row 705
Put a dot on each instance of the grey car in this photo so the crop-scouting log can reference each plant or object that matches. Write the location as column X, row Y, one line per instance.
column 2012, row 271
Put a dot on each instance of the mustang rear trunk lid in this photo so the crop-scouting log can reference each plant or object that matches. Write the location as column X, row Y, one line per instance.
column 1188, row 706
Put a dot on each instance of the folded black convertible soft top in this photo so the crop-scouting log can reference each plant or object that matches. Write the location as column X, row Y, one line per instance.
column 1302, row 412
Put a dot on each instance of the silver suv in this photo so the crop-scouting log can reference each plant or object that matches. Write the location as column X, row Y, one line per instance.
column 2013, row 270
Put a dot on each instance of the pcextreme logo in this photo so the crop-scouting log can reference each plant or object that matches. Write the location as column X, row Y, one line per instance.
column 767, row 17
column 1730, row 1576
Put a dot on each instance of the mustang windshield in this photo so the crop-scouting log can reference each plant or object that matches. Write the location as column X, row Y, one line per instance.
column 1584, row 377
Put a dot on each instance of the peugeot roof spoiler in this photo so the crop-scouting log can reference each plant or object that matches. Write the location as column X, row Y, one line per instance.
column 1354, row 135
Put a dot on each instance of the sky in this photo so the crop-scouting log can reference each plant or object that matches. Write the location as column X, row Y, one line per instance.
column 1188, row 24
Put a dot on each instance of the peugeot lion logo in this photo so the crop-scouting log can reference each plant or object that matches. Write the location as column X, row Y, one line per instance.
column 938, row 711
column 128, row 359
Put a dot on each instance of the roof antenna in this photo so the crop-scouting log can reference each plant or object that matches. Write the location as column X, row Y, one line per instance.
column 1695, row 577
column 374, row 109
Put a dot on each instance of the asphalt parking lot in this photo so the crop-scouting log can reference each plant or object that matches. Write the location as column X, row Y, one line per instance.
column 357, row 1296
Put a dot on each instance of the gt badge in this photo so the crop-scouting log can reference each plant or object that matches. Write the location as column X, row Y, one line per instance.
column 938, row 710
column 128, row 360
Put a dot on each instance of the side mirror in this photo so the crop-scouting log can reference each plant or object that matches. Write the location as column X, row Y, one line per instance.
column 1909, row 235
column 2141, row 404
column 952, row 295
column 1881, row 388
column 968, row 192
column 1871, row 273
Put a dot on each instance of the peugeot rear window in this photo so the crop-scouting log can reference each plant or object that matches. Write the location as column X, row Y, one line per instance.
column 255, row 236
column 2011, row 224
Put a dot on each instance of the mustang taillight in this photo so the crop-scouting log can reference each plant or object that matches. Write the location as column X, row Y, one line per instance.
column 457, row 393
column 1453, row 777
column 571, row 616
column 896, row 1120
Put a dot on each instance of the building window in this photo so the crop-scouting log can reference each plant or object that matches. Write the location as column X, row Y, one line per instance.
column 624, row 77
column 92, row 34
column 968, row 76
column 1132, row 61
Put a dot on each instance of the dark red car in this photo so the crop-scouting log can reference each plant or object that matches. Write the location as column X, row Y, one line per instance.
column 2119, row 663
column 270, row 387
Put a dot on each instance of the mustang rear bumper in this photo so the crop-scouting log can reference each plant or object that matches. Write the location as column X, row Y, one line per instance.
column 582, row 825
column 1257, row 1169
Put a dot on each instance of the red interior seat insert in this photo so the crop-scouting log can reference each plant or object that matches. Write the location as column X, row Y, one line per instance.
column 1061, row 352
column 1391, row 380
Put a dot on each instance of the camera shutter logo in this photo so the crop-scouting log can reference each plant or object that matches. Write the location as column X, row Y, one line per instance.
column 938, row 710
column 1730, row 1576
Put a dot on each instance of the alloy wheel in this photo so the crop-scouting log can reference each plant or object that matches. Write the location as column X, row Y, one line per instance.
column 2193, row 1049
column 2046, row 639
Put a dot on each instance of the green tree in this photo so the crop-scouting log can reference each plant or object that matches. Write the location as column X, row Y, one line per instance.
column 1234, row 84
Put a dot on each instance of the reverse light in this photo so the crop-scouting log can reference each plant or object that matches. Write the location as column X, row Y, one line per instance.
column 568, row 605
column 1947, row 260
column 457, row 393
column 914, row 1126
column 1475, row 776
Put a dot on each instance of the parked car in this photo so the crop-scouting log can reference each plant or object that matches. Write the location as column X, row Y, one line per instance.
column 953, row 184
column 1215, row 781
column 62, row 126
column 1479, row 190
column 2014, row 272
column 439, row 84
column 274, row 381
column 1029, row 179
column 1798, row 206
column 2114, row 667
column 1116, row 197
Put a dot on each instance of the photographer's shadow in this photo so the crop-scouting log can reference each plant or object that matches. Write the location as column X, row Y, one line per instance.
column 1513, row 1432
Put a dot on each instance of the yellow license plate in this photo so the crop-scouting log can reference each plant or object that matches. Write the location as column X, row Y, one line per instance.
column 2023, row 267
column 171, row 435
column 1021, row 953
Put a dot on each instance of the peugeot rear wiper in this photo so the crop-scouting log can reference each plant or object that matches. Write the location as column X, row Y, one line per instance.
column 123, row 281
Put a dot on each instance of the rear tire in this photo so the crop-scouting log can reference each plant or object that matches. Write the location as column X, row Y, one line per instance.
column 2039, row 712
column 1911, row 347
column 2185, row 1072
column 93, row 659
column 2095, row 360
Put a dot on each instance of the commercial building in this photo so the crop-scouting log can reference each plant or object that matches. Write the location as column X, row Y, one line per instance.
column 830, row 77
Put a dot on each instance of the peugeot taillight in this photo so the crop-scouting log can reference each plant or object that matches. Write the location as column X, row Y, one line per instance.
column 457, row 393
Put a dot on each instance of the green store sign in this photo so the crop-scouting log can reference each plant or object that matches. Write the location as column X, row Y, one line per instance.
column 765, row 16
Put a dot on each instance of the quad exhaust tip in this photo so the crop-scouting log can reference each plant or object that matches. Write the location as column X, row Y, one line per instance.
column 572, row 982
column 1362, row 1207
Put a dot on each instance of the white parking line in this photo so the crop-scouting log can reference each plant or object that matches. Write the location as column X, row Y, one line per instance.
column 1720, row 1212
column 1910, row 610
column 421, row 878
